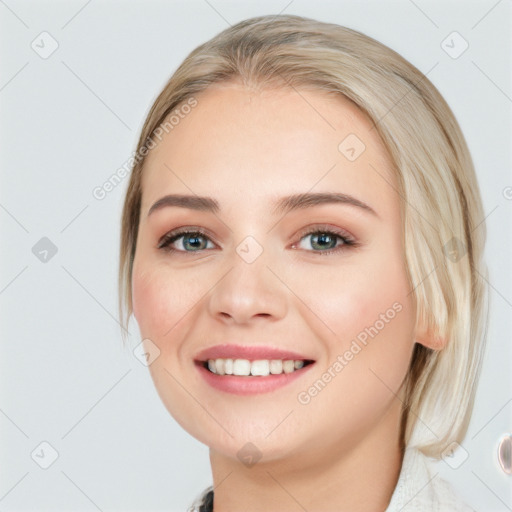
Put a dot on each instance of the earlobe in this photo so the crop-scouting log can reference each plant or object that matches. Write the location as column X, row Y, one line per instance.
column 430, row 339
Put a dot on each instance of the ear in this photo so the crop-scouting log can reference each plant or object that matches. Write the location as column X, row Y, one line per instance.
column 428, row 337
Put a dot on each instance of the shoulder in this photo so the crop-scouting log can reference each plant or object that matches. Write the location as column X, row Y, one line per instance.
column 421, row 489
column 204, row 503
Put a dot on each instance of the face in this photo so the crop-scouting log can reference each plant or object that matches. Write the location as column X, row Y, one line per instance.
column 263, row 281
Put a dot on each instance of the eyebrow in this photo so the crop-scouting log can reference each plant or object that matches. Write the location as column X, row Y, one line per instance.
column 281, row 206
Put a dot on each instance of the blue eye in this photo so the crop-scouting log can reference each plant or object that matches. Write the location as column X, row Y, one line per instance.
column 323, row 241
column 327, row 241
column 191, row 239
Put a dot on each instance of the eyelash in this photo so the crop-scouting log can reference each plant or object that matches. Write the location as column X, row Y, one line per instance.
column 348, row 242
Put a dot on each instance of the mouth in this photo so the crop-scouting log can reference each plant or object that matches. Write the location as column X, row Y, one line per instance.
column 253, row 368
column 248, row 370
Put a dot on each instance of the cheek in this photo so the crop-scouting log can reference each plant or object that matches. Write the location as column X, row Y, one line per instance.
column 353, row 298
column 372, row 314
column 165, row 300
column 156, row 305
column 372, row 317
column 146, row 296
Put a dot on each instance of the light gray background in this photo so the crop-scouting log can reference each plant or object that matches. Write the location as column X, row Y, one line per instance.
column 68, row 122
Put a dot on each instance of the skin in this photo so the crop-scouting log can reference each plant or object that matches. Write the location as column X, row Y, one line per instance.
column 246, row 148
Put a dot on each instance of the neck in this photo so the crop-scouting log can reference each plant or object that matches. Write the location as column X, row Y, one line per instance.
column 360, row 477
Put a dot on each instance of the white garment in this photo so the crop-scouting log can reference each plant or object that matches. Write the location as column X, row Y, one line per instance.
column 419, row 489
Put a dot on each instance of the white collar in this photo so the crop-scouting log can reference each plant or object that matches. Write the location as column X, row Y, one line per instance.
column 421, row 489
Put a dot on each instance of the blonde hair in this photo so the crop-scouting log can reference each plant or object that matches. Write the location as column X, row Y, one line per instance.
column 442, row 214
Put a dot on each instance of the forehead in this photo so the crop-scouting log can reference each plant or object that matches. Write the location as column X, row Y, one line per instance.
column 268, row 140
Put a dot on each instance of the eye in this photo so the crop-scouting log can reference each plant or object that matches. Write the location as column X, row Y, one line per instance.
column 194, row 239
column 325, row 240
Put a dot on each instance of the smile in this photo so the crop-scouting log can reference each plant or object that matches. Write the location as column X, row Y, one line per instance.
column 256, row 368
column 250, row 369
column 246, row 384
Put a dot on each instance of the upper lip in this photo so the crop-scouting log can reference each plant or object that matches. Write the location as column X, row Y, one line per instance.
column 251, row 352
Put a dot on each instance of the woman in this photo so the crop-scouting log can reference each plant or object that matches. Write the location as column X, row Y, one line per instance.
column 301, row 247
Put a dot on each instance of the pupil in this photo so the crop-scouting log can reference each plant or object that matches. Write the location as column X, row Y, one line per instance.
column 323, row 238
column 193, row 241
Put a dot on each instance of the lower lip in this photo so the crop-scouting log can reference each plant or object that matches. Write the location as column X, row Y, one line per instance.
column 242, row 385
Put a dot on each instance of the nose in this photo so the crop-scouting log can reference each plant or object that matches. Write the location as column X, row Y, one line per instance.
column 249, row 292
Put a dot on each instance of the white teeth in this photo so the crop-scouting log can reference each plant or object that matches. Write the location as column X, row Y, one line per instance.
column 288, row 366
column 259, row 367
column 219, row 365
column 212, row 365
column 276, row 366
column 241, row 367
